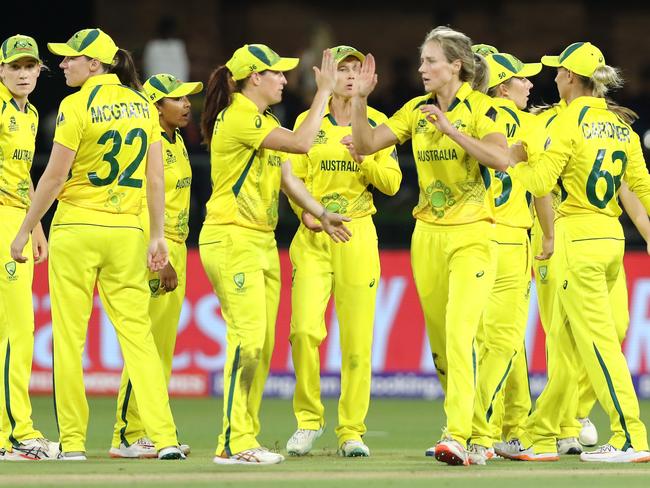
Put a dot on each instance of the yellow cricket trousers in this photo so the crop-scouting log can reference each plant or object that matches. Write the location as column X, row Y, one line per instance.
column 503, row 326
column 351, row 272
column 244, row 268
column 587, row 261
column 16, row 334
column 82, row 254
column 454, row 269
column 164, row 312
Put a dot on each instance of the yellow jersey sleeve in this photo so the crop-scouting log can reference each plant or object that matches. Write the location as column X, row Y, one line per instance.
column 17, row 142
column 401, row 122
column 70, row 123
column 636, row 173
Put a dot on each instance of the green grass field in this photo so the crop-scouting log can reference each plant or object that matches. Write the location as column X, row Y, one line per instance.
column 399, row 432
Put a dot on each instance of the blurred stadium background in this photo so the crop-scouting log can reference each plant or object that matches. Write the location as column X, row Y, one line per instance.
column 392, row 31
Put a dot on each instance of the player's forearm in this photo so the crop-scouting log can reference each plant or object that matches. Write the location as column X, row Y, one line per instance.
column 545, row 214
column 155, row 191
column 490, row 153
column 362, row 132
column 305, row 133
column 296, row 190
column 48, row 189
column 636, row 210
column 383, row 173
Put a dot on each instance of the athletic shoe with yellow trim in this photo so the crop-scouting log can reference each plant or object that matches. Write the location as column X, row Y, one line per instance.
column 302, row 441
column 256, row 456
column 451, row 452
column 38, row 449
column 609, row 454
column 542, row 457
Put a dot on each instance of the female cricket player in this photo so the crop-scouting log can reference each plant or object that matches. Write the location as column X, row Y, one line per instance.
column 167, row 286
column 339, row 178
column 107, row 137
column 20, row 66
column 237, row 244
column 592, row 150
column 455, row 139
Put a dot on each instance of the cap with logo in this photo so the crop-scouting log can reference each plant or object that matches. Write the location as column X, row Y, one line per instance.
column 582, row 58
column 504, row 66
column 342, row 52
column 18, row 46
column 254, row 58
column 93, row 43
column 484, row 49
column 165, row 85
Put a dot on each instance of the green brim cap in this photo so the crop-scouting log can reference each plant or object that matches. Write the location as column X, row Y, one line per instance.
column 17, row 47
column 93, row 43
column 168, row 86
column 504, row 66
column 254, row 58
column 342, row 52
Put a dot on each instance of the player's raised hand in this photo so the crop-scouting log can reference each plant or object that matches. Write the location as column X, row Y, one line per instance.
column 333, row 225
column 349, row 144
column 366, row 80
column 158, row 254
column 326, row 75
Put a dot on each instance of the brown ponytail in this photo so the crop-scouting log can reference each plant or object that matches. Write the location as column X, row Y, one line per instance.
column 124, row 67
column 218, row 95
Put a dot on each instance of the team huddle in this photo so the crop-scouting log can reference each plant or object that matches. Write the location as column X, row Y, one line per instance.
column 502, row 190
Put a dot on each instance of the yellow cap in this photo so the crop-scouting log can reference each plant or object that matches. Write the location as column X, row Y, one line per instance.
column 18, row 46
column 93, row 43
column 484, row 49
column 504, row 66
column 342, row 52
column 164, row 85
column 253, row 58
column 582, row 58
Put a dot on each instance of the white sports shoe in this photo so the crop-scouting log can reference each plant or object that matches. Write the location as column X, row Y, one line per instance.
column 354, row 449
column 609, row 454
column 251, row 457
column 477, row 454
column 510, row 449
column 302, row 441
column 588, row 434
column 142, row 448
column 2, row 453
column 39, row 449
column 569, row 445
column 72, row 456
column 430, row 452
column 170, row 453
column 451, row 452
column 185, row 449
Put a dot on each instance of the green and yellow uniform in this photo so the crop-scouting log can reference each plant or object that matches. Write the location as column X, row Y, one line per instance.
column 240, row 256
column 17, row 141
column 503, row 326
column 350, row 271
column 97, row 237
column 164, row 306
column 454, row 225
column 591, row 150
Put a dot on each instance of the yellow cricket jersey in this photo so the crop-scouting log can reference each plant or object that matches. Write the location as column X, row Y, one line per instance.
column 110, row 126
column 245, row 176
column 178, row 180
column 591, row 150
column 337, row 180
column 17, row 141
column 512, row 201
column 454, row 187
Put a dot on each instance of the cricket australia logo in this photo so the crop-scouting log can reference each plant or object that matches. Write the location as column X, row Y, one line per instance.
column 10, row 268
column 239, row 279
column 13, row 125
column 154, row 287
column 459, row 124
column 169, row 158
column 543, row 273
